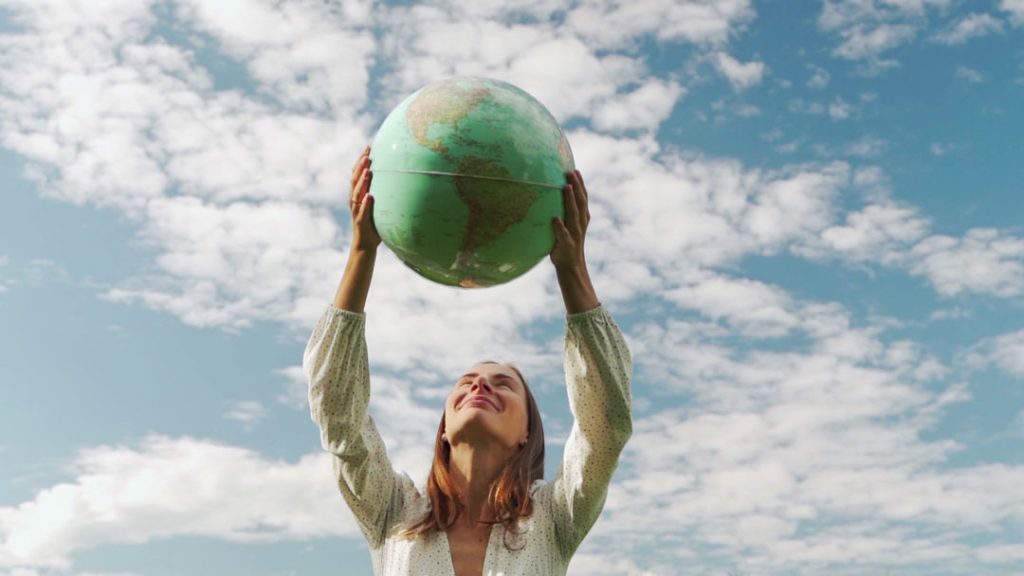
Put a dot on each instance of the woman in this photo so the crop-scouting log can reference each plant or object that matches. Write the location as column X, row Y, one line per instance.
column 486, row 509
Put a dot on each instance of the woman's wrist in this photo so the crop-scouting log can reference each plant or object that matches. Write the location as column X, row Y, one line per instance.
column 578, row 292
column 357, row 251
column 355, row 282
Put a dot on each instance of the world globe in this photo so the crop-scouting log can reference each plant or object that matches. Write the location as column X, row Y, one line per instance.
column 467, row 179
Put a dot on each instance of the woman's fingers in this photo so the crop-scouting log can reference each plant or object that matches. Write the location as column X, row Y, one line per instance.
column 357, row 170
column 577, row 212
column 362, row 208
column 570, row 205
column 365, row 154
column 361, row 187
column 582, row 199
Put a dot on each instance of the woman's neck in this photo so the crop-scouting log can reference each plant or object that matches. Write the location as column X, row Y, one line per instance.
column 473, row 470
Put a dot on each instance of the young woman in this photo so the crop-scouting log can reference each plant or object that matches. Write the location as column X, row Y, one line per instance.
column 486, row 509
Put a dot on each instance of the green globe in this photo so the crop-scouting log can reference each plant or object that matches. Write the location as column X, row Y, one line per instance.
column 467, row 178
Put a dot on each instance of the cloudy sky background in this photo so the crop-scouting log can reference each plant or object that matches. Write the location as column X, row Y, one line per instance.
column 806, row 218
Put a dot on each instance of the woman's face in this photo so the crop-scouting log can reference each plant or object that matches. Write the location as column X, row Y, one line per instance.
column 488, row 404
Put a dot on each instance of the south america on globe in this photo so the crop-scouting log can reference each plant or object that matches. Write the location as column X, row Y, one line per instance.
column 467, row 179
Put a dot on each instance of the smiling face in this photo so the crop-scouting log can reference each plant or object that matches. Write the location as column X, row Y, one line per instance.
column 488, row 405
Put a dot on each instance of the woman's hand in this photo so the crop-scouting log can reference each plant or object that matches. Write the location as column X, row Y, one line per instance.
column 567, row 254
column 360, row 204
column 571, row 232
column 362, row 255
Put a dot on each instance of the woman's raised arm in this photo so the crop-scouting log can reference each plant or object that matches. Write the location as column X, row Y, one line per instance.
column 598, row 370
column 337, row 367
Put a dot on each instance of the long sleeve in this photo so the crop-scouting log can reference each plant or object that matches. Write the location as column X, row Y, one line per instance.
column 598, row 369
column 336, row 366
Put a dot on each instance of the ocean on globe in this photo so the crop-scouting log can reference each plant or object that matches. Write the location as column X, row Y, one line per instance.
column 467, row 179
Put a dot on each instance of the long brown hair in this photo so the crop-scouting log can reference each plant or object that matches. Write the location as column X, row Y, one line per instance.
column 509, row 496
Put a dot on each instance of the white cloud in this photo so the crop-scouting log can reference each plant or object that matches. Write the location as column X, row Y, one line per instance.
column 118, row 121
column 985, row 260
column 741, row 75
column 172, row 487
column 296, row 389
column 693, row 21
column 969, row 27
column 859, row 42
column 839, row 109
column 565, row 71
column 1015, row 9
column 969, row 74
column 698, row 213
column 1005, row 351
column 819, row 78
column 248, row 412
column 882, row 231
column 292, row 49
column 752, row 308
column 780, row 443
column 1001, row 553
column 867, row 29
column 229, row 265
column 646, row 107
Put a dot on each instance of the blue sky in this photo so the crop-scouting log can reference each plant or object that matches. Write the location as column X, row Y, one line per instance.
column 807, row 221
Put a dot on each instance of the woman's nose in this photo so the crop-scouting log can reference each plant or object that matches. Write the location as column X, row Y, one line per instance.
column 481, row 382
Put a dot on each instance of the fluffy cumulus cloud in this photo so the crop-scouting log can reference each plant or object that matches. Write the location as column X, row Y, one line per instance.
column 292, row 49
column 695, row 21
column 868, row 29
column 169, row 487
column 796, row 457
column 706, row 212
column 1005, row 351
column 968, row 74
column 882, row 231
column 970, row 26
column 644, row 108
column 741, row 75
column 984, row 260
column 1015, row 9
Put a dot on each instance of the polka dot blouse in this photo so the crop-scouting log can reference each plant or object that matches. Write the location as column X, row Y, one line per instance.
column 597, row 368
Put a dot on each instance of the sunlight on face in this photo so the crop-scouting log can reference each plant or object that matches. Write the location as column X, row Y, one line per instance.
column 487, row 405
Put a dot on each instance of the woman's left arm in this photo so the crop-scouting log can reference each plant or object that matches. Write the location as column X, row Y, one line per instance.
column 598, row 369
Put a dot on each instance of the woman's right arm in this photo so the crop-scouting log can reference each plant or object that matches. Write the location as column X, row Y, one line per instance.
column 336, row 364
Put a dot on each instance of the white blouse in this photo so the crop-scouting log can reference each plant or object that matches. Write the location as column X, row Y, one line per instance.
column 384, row 502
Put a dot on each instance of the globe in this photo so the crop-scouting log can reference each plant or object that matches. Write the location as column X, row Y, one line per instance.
column 467, row 178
